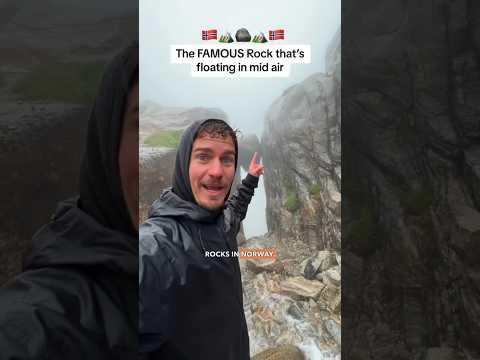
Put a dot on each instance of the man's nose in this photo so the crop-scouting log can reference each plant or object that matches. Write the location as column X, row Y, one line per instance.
column 216, row 169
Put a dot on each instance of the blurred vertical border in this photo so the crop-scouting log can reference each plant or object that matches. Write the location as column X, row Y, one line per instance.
column 52, row 58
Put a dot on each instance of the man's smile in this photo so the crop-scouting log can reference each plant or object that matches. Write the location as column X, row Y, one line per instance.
column 214, row 189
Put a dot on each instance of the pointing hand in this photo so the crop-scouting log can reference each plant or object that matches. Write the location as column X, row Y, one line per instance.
column 255, row 169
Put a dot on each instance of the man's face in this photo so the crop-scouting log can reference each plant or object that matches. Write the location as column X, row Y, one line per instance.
column 212, row 169
column 128, row 155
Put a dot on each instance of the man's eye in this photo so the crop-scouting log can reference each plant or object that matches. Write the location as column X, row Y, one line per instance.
column 228, row 160
column 202, row 157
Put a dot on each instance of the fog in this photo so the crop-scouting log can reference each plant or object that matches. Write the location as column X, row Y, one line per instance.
column 245, row 100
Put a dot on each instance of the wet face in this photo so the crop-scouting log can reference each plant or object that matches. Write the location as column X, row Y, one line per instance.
column 212, row 169
column 128, row 155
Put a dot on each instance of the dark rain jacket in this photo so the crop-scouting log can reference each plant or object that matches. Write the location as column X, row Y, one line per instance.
column 77, row 297
column 191, row 305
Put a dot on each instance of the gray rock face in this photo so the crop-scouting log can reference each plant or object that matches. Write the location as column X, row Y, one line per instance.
column 299, row 304
column 156, row 169
column 301, row 146
column 154, row 116
column 41, row 145
column 411, row 119
column 333, row 57
column 247, row 145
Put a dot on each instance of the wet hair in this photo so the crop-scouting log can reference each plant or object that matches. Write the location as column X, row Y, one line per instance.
column 217, row 128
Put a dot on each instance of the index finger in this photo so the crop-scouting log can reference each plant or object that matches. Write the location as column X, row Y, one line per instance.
column 254, row 158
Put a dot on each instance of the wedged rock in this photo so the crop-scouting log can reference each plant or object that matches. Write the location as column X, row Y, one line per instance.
column 284, row 352
column 300, row 288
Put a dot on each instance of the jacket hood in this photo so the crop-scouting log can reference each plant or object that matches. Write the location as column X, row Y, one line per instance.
column 74, row 238
column 181, row 180
column 101, row 194
column 171, row 205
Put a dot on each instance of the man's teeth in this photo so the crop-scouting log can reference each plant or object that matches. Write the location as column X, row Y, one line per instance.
column 216, row 188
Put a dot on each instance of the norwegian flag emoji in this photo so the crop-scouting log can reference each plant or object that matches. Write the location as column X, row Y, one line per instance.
column 209, row 34
column 278, row 34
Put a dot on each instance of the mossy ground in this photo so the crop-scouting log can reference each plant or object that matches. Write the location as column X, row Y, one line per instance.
column 167, row 138
column 293, row 203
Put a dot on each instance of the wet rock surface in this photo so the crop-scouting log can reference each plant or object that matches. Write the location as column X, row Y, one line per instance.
column 294, row 302
column 41, row 145
column 45, row 101
column 412, row 208
column 283, row 308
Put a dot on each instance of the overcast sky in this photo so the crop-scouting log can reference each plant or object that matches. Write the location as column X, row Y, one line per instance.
column 245, row 101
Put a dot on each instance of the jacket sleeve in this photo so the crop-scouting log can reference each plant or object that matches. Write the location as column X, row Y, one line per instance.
column 236, row 207
column 22, row 333
column 155, row 272
column 163, row 264
column 51, row 313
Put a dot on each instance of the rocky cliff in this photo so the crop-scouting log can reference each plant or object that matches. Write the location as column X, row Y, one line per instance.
column 51, row 64
column 292, row 304
column 41, row 145
column 301, row 146
column 411, row 220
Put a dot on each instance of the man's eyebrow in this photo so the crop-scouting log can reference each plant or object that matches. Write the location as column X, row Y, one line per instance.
column 229, row 152
column 202, row 149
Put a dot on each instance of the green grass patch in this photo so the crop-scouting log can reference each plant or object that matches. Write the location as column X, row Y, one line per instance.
column 293, row 203
column 167, row 138
column 314, row 189
column 64, row 82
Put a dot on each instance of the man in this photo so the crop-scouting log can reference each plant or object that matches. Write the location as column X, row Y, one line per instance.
column 191, row 304
column 77, row 298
